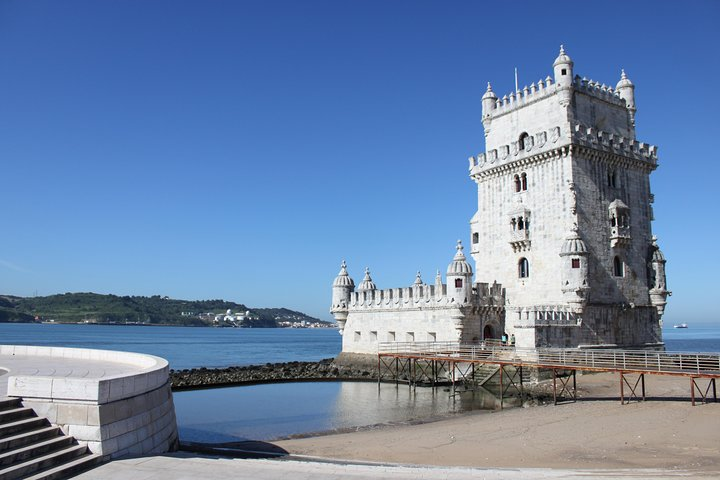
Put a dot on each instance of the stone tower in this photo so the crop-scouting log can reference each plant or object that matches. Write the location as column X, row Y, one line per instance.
column 564, row 214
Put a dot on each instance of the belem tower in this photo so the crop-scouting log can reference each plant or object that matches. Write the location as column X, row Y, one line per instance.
column 561, row 239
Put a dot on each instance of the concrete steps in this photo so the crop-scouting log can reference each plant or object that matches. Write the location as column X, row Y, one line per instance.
column 31, row 448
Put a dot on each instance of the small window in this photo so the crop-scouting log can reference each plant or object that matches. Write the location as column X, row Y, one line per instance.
column 373, row 336
column 563, row 71
column 391, row 337
column 476, row 238
column 458, row 283
column 518, row 183
column 575, row 263
column 410, row 337
column 358, row 336
column 520, row 223
column 523, row 268
column 432, row 337
column 523, row 179
column 612, row 179
column 618, row 267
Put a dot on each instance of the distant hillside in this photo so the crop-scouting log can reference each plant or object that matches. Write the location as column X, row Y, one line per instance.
column 97, row 308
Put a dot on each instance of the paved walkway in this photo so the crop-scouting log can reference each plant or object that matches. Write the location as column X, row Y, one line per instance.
column 183, row 466
column 32, row 365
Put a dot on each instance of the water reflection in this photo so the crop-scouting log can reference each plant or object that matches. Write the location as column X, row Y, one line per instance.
column 272, row 411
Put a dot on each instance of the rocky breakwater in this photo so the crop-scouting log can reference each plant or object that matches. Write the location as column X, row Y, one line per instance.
column 326, row 370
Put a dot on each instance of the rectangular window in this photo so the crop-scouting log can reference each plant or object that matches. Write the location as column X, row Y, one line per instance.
column 575, row 263
column 458, row 283
column 358, row 336
column 410, row 337
column 432, row 337
column 373, row 336
column 391, row 337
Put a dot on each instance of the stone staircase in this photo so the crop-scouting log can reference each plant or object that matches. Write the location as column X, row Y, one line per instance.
column 32, row 449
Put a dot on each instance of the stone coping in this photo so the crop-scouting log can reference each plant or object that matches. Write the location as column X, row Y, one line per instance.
column 84, row 384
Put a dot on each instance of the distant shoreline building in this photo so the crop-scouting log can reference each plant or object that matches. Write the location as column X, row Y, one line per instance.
column 563, row 224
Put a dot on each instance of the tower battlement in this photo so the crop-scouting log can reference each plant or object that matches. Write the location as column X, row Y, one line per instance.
column 545, row 141
column 425, row 296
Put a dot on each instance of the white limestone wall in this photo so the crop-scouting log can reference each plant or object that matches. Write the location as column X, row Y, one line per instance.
column 594, row 198
column 540, row 112
column 116, row 416
column 547, row 199
column 365, row 329
column 609, row 114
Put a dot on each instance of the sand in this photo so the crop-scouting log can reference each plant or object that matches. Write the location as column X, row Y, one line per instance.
column 665, row 431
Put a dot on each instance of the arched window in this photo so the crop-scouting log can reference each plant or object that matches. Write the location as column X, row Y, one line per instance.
column 612, row 178
column 618, row 267
column 522, row 143
column 518, row 184
column 523, row 268
column 523, row 178
column 476, row 237
column 520, row 223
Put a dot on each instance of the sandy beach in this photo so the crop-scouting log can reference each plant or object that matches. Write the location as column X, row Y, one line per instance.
column 665, row 431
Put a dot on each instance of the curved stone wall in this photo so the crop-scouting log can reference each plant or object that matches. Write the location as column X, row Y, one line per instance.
column 130, row 413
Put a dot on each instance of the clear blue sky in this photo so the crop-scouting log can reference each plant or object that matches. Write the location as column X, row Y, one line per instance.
column 241, row 150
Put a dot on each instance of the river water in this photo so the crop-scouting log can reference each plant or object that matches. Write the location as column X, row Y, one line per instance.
column 267, row 412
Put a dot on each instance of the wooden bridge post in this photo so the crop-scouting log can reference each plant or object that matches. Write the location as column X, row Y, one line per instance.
column 501, row 386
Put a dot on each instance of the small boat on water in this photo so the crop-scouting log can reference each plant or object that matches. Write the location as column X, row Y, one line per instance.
column 680, row 325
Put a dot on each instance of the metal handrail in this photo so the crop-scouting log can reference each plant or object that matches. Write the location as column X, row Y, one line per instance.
column 706, row 364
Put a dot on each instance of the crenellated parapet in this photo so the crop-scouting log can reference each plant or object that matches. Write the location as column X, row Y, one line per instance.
column 613, row 143
column 520, row 98
column 598, row 90
column 534, row 143
column 425, row 296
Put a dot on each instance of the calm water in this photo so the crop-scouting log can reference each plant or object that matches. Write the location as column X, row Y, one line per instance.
column 266, row 412
column 186, row 347
column 269, row 412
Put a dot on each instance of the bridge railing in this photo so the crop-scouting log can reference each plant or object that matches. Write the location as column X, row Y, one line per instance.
column 600, row 359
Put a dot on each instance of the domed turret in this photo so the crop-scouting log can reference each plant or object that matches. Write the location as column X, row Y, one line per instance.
column 367, row 283
column 343, row 286
column 574, row 272
column 459, row 277
column 574, row 245
column 459, row 265
column 563, row 67
column 343, row 279
column 658, row 285
column 626, row 90
column 488, row 101
column 418, row 279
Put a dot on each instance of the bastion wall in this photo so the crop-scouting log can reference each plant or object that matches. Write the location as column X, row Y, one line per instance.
column 115, row 416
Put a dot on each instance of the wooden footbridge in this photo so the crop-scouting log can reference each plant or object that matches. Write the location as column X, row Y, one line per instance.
column 432, row 363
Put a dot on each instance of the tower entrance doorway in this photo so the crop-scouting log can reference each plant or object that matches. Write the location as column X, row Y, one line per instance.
column 488, row 332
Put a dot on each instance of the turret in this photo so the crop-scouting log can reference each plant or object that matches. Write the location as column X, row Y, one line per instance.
column 489, row 101
column 343, row 286
column 574, row 270
column 658, row 290
column 563, row 67
column 417, row 286
column 626, row 90
column 459, row 277
column 367, row 284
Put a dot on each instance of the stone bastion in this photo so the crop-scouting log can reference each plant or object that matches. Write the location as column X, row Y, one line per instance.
column 117, row 403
